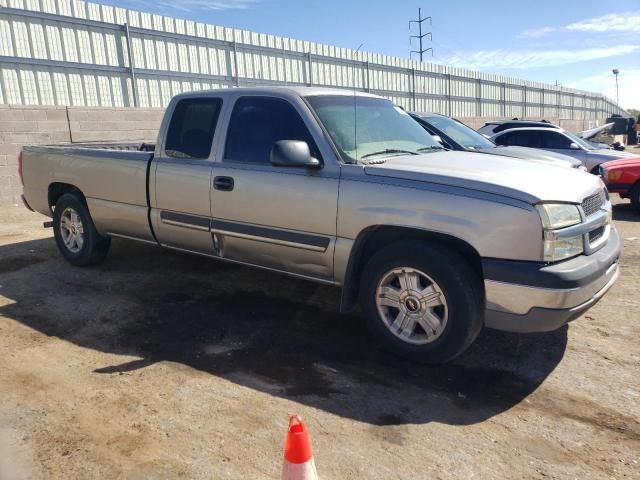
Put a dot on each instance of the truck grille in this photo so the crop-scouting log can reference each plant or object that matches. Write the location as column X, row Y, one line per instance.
column 593, row 203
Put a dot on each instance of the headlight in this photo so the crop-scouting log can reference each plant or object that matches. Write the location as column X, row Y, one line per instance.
column 562, row 248
column 612, row 176
column 558, row 215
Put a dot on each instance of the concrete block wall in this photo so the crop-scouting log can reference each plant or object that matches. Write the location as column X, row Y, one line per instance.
column 26, row 125
column 114, row 124
column 21, row 125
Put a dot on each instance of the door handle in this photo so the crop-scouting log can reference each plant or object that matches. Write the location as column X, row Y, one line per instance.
column 223, row 183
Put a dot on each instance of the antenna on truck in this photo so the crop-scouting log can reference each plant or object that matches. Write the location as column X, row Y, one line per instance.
column 355, row 115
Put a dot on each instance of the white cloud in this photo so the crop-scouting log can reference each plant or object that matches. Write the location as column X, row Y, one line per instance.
column 524, row 59
column 612, row 22
column 537, row 32
column 605, row 83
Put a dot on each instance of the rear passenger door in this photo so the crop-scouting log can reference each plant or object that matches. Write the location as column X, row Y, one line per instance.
column 180, row 184
column 520, row 138
column 282, row 218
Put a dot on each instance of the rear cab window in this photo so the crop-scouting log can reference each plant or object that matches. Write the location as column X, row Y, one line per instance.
column 192, row 128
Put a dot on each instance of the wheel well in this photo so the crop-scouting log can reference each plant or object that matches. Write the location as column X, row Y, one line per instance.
column 56, row 190
column 373, row 239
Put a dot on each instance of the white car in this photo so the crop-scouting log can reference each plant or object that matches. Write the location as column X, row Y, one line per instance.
column 560, row 141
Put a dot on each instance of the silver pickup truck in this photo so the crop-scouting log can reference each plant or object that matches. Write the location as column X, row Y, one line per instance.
column 348, row 190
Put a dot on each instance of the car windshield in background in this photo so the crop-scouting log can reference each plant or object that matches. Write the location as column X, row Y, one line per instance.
column 367, row 129
column 459, row 133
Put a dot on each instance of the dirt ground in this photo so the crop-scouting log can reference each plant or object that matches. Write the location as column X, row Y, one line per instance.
column 163, row 365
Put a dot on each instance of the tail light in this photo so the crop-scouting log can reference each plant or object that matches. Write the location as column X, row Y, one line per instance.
column 20, row 167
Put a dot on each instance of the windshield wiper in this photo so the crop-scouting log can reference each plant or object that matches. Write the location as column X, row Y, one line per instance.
column 388, row 150
column 431, row 148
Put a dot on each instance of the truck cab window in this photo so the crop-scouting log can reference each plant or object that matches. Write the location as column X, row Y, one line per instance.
column 257, row 123
column 192, row 127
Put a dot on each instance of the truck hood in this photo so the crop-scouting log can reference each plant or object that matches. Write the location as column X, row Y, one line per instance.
column 529, row 182
column 535, row 154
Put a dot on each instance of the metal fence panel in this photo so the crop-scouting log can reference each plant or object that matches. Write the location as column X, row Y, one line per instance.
column 70, row 52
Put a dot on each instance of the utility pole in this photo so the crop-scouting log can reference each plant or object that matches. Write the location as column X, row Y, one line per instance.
column 616, row 72
column 421, row 35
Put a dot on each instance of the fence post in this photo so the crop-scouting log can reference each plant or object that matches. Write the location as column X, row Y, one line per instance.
column 503, row 94
column 132, row 69
column 479, row 98
column 572, row 106
column 284, row 64
column 524, row 101
column 367, row 74
column 235, row 60
column 449, row 106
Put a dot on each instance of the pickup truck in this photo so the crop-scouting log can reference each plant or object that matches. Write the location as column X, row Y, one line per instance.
column 345, row 189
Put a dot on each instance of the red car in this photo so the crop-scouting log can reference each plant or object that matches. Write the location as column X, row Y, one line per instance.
column 623, row 177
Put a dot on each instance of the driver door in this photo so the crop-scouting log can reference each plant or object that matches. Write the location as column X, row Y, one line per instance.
column 282, row 218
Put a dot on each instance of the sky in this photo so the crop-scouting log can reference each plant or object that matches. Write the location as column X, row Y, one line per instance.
column 574, row 43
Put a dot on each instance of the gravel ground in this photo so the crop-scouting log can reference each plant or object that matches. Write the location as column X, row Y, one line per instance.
column 162, row 365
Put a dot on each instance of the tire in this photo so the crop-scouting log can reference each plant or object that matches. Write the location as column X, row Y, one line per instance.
column 76, row 236
column 433, row 274
column 635, row 196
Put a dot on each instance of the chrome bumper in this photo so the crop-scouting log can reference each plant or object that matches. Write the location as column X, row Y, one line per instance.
column 518, row 307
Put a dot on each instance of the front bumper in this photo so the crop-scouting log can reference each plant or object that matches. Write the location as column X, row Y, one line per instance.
column 535, row 297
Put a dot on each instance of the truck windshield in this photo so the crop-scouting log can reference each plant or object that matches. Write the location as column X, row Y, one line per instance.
column 459, row 133
column 367, row 129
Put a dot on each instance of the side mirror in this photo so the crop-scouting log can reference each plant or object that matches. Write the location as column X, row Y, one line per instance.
column 618, row 146
column 574, row 146
column 293, row 153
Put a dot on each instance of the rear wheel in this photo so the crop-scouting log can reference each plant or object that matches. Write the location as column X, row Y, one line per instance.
column 635, row 196
column 423, row 301
column 76, row 236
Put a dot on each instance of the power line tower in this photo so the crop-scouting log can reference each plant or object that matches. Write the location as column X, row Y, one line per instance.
column 421, row 35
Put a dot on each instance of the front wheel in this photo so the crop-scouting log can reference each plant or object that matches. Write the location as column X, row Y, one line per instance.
column 422, row 301
column 76, row 236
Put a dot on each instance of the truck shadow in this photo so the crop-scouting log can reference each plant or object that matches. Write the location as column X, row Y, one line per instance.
column 262, row 330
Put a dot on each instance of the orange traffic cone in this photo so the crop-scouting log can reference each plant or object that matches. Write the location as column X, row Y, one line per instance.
column 298, row 459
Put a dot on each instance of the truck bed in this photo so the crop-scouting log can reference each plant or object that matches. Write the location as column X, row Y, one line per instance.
column 113, row 177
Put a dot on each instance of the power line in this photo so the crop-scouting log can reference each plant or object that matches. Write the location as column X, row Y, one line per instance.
column 421, row 35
